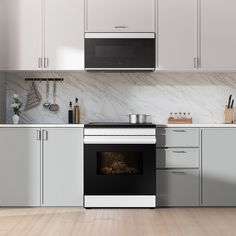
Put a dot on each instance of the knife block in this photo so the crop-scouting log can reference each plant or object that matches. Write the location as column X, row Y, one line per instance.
column 229, row 115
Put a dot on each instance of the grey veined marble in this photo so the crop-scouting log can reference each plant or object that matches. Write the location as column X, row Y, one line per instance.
column 112, row 96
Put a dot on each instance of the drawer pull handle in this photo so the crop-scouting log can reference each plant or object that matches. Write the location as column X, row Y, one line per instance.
column 179, row 152
column 180, row 131
column 121, row 27
column 179, row 172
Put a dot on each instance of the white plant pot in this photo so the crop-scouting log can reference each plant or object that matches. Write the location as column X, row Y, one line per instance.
column 15, row 119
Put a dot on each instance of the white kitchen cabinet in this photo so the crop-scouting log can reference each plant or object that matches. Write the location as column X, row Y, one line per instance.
column 42, row 35
column 218, row 36
column 218, row 167
column 20, row 34
column 177, row 35
column 64, row 35
column 19, row 167
column 120, row 15
column 62, row 156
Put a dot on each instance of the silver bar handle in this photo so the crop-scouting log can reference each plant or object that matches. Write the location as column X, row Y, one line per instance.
column 179, row 172
column 46, row 62
column 40, row 62
column 45, row 135
column 180, row 152
column 38, row 135
column 179, row 131
column 195, row 62
column 121, row 27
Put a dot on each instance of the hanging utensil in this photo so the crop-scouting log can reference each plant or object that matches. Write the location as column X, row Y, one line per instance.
column 47, row 103
column 33, row 98
column 54, row 106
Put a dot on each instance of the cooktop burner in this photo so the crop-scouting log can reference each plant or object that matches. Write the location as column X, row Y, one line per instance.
column 118, row 125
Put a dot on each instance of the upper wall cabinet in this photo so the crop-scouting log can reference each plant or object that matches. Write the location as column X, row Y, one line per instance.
column 120, row 15
column 64, row 35
column 218, row 35
column 42, row 35
column 20, row 34
column 177, row 35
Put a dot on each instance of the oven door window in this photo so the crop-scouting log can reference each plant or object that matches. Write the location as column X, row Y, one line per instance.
column 119, row 163
column 118, row 169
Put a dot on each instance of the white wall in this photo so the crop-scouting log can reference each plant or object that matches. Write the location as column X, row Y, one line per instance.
column 2, row 98
column 111, row 96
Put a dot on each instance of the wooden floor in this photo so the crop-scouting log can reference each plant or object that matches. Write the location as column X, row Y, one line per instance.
column 122, row 222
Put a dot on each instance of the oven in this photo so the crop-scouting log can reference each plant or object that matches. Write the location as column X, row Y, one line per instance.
column 119, row 168
column 120, row 51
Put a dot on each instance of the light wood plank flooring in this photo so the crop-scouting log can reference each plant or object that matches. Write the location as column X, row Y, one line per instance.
column 114, row 222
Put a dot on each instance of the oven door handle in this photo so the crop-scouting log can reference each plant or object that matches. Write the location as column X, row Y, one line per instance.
column 119, row 140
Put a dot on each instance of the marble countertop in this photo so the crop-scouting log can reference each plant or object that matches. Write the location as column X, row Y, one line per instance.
column 42, row 125
column 196, row 125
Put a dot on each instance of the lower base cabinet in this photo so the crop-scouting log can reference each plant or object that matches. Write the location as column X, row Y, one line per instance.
column 177, row 188
column 62, row 167
column 41, row 167
column 19, row 167
column 219, row 167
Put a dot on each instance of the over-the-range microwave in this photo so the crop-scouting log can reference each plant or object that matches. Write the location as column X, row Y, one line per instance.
column 120, row 51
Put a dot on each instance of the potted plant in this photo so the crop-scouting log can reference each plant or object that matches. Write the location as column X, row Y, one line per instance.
column 16, row 105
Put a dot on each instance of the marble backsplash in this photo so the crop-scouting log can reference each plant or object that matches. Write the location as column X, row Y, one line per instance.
column 111, row 96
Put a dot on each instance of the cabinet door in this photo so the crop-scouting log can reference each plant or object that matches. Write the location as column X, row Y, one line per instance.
column 21, row 34
column 218, row 167
column 218, row 36
column 64, row 35
column 177, row 34
column 177, row 188
column 120, row 16
column 19, row 167
column 63, row 167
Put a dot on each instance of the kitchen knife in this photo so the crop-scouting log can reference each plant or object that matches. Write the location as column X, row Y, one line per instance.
column 229, row 102
column 232, row 105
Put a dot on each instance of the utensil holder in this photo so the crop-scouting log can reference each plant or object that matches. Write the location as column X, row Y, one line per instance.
column 229, row 115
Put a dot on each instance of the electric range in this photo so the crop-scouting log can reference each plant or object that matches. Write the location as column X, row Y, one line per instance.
column 119, row 165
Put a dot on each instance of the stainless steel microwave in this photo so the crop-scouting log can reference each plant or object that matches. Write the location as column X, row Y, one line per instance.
column 120, row 51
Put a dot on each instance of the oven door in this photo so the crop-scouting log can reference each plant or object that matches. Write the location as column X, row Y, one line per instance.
column 119, row 51
column 119, row 169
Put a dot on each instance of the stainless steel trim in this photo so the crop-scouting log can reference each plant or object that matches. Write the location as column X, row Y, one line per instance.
column 119, row 35
column 40, row 63
column 136, row 201
column 120, row 132
column 123, row 69
column 38, row 135
column 119, row 140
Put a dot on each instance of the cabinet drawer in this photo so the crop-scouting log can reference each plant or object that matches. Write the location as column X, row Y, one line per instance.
column 177, row 158
column 178, row 188
column 177, row 137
